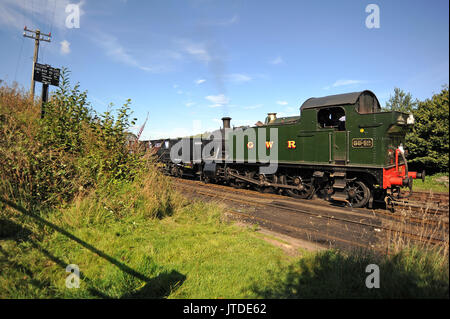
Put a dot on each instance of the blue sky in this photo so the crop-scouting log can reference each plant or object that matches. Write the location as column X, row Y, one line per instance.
column 187, row 63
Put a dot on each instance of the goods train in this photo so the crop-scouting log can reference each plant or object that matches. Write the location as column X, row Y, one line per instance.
column 341, row 148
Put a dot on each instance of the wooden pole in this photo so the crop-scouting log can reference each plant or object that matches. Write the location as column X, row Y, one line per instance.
column 37, row 36
column 35, row 59
column 44, row 98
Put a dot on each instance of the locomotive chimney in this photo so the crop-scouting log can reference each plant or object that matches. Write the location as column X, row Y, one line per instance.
column 226, row 122
column 271, row 117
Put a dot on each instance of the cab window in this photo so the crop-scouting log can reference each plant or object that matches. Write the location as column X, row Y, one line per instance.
column 333, row 117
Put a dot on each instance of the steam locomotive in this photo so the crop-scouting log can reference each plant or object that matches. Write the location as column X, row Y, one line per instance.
column 341, row 148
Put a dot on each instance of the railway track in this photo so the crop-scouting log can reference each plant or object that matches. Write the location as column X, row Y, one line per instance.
column 424, row 203
column 428, row 217
column 441, row 199
column 326, row 224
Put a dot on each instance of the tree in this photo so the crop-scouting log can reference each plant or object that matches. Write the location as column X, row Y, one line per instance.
column 401, row 101
column 428, row 143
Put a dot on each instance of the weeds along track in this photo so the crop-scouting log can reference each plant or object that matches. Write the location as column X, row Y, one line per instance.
column 318, row 221
column 424, row 202
column 440, row 199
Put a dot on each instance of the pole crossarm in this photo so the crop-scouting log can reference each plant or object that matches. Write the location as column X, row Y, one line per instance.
column 37, row 36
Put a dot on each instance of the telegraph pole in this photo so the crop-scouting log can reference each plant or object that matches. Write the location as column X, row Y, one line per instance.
column 37, row 36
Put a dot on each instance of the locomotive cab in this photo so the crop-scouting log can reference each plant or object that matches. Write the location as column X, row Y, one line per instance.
column 364, row 143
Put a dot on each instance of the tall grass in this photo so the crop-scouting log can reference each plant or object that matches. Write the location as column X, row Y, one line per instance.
column 428, row 233
column 45, row 163
column 410, row 273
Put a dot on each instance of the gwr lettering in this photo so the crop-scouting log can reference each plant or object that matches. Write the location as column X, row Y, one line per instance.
column 291, row 144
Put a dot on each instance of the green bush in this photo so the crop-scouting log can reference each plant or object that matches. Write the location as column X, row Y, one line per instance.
column 428, row 143
column 46, row 162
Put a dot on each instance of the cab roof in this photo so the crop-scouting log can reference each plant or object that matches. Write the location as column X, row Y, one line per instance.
column 363, row 97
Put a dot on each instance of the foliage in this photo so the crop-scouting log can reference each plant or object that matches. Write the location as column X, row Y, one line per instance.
column 46, row 162
column 428, row 143
column 401, row 101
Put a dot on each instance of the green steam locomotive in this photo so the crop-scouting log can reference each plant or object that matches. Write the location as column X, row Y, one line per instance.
column 341, row 147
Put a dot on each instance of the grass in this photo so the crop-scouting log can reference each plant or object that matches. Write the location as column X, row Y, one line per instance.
column 142, row 239
column 192, row 254
column 433, row 183
column 412, row 273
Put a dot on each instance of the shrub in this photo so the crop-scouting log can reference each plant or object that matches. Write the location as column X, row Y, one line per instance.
column 46, row 162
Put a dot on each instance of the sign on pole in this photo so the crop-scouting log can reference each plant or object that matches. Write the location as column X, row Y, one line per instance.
column 46, row 74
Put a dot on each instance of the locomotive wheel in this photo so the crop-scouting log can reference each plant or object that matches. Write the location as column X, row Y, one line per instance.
column 238, row 184
column 174, row 171
column 358, row 193
column 303, row 194
column 206, row 180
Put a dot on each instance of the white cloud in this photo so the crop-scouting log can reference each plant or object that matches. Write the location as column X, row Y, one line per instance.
column 282, row 103
column 200, row 81
column 175, row 86
column 189, row 104
column 65, row 47
column 146, row 68
column 179, row 92
column 277, row 60
column 238, row 78
column 345, row 82
column 218, row 100
column 196, row 50
column 117, row 52
column 339, row 83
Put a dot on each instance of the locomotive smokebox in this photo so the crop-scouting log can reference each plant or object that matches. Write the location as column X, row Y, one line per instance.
column 226, row 122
